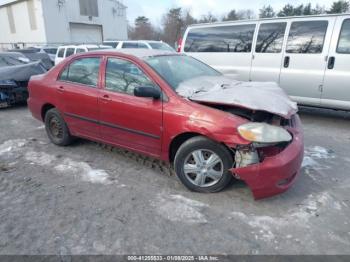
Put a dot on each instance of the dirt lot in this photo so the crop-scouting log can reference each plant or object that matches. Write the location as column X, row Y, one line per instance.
column 89, row 199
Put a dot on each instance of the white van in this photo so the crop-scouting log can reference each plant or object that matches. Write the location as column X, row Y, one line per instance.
column 308, row 56
column 68, row 50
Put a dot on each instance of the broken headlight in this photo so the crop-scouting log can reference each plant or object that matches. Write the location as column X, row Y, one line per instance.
column 264, row 133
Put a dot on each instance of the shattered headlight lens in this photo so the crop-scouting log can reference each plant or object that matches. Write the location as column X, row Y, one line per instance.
column 264, row 133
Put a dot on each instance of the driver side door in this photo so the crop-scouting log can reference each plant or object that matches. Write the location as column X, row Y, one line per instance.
column 126, row 120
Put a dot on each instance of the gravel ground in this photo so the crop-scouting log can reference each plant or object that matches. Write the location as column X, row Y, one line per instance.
column 91, row 199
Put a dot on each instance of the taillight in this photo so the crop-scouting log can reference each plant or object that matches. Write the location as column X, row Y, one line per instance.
column 179, row 45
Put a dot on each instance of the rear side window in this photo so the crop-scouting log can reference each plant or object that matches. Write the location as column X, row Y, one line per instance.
column 237, row 38
column 270, row 38
column 83, row 71
column 307, row 37
column 69, row 52
column 344, row 38
column 60, row 52
column 80, row 50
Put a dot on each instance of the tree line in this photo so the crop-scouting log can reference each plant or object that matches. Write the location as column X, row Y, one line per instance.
column 176, row 20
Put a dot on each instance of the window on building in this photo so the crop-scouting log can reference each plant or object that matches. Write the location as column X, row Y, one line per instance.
column 307, row 37
column 31, row 14
column 123, row 76
column 83, row 71
column 344, row 38
column 10, row 19
column 88, row 8
column 236, row 38
column 270, row 38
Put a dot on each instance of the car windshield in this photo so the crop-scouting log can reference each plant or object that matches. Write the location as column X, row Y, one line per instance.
column 176, row 69
column 161, row 46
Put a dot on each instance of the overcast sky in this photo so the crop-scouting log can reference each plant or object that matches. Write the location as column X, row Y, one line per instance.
column 154, row 9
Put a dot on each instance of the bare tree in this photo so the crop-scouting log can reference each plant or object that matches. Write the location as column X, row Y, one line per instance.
column 142, row 29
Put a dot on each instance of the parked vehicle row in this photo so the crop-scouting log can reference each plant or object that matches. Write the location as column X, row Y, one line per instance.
column 173, row 107
column 309, row 57
column 15, row 72
column 68, row 50
column 143, row 44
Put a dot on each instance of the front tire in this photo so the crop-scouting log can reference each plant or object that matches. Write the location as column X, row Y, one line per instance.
column 203, row 165
column 56, row 128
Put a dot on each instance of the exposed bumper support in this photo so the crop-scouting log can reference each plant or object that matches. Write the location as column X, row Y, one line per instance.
column 275, row 174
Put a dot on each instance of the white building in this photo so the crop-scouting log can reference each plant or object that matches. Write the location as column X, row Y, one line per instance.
column 62, row 21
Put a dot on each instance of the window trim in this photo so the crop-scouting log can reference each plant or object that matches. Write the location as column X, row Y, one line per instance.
column 163, row 98
column 68, row 64
column 341, row 29
column 303, row 21
column 283, row 40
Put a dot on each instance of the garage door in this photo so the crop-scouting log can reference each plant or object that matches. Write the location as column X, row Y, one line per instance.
column 83, row 33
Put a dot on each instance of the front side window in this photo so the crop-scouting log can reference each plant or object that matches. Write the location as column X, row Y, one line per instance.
column 307, row 37
column 60, row 52
column 123, row 76
column 179, row 68
column 270, row 38
column 82, row 71
column 344, row 38
column 236, row 38
column 69, row 52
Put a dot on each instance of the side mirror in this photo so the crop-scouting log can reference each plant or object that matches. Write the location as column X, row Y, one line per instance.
column 147, row 91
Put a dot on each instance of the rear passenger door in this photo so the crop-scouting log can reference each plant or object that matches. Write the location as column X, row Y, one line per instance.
column 227, row 48
column 267, row 54
column 77, row 89
column 336, row 87
column 304, row 60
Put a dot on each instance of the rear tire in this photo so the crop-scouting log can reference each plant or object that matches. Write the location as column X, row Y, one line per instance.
column 56, row 128
column 203, row 165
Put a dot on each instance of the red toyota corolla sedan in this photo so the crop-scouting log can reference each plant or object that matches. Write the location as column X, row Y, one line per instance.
column 211, row 127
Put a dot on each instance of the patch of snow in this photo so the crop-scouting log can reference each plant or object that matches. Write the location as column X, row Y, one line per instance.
column 315, row 158
column 314, row 153
column 179, row 208
column 11, row 145
column 39, row 158
column 84, row 170
column 300, row 216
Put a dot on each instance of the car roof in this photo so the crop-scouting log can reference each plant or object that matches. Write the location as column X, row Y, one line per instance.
column 136, row 52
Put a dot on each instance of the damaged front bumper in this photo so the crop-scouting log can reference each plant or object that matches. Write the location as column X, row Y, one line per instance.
column 275, row 174
column 12, row 92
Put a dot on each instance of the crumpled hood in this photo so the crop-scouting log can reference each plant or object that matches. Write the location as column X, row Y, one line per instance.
column 21, row 72
column 263, row 96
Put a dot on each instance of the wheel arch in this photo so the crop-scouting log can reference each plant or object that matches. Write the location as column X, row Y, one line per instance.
column 178, row 140
column 46, row 107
